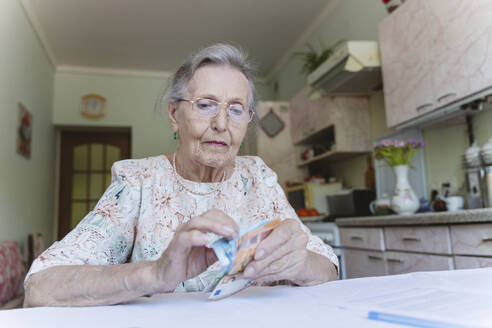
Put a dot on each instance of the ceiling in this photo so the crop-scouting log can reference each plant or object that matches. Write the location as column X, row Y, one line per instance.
column 157, row 35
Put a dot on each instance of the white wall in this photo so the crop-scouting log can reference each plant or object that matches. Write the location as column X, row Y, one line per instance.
column 26, row 185
column 278, row 152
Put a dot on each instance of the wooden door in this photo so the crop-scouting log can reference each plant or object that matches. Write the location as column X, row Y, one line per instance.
column 85, row 172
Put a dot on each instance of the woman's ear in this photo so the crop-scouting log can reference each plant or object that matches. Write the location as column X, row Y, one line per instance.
column 172, row 109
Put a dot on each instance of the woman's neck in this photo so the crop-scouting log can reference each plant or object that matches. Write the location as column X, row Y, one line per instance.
column 190, row 170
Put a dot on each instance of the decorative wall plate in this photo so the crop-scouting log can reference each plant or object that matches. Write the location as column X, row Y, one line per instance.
column 272, row 124
column 93, row 106
column 24, row 132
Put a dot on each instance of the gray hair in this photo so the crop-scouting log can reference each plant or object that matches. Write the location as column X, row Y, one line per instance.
column 221, row 54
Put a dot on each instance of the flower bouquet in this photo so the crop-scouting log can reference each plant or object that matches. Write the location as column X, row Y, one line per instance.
column 399, row 154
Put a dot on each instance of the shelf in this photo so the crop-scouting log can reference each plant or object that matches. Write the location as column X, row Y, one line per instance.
column 318, row 136
column 333, row 156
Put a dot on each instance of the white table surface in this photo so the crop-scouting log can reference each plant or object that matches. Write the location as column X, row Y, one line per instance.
column 336, row 304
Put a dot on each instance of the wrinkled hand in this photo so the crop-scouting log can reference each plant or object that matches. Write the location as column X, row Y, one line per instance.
column 281, row 256
column 186, row 256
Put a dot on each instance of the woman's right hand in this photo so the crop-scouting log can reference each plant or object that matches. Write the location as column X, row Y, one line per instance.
column 187, row 256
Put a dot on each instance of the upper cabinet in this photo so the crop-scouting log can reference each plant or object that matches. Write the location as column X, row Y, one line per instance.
column 339, row 126
column 434, row 53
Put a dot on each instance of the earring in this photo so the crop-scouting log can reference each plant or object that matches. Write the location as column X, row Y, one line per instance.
column 175, row 135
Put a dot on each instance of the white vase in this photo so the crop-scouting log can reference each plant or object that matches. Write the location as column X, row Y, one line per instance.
column 404, row 200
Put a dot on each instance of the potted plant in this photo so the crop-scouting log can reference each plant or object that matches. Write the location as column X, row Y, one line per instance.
column 399, row 154
column 312, row 58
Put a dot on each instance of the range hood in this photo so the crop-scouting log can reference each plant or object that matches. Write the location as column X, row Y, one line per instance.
column 353, row 69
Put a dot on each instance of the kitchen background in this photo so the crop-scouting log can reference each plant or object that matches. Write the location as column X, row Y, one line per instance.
column 29, row 189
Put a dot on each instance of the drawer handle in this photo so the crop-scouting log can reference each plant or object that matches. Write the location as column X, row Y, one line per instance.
column 445, row 96
column 356, row 238
column 486, row 240
column 372, row 257
column 411, row 239
column 424, row 106
column 394, row 260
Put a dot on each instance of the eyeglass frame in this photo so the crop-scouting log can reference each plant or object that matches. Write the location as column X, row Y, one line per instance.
column 192, row 102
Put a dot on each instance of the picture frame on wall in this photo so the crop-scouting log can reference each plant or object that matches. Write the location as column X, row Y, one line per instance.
column 24, row 131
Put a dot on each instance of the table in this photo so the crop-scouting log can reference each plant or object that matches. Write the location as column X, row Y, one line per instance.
column 460, row 296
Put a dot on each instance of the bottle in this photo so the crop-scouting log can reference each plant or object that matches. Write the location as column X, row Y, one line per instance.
column 391, row 5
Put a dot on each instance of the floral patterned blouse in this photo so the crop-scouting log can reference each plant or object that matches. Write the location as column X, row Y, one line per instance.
column 140, row 211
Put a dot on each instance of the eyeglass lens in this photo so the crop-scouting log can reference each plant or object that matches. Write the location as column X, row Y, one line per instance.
column 210, row 108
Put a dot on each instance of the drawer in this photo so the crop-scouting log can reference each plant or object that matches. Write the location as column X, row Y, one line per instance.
column 470, row 262
column 418, row 239
column 472, row 239
column 360, row 263
column 366, row 238
column 397, row 262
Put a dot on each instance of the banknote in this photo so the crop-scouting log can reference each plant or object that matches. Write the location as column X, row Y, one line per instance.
column 234, row 255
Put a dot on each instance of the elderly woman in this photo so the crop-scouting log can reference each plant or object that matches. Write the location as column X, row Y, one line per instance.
column 150, row 230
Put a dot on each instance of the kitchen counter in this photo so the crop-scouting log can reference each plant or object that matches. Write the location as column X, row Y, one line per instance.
column 481, row 215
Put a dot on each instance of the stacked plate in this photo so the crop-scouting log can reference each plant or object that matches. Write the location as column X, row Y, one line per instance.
column 472, row 156
column 486, row 152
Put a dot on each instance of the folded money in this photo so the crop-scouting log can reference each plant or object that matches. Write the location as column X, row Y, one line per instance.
column 234, row 255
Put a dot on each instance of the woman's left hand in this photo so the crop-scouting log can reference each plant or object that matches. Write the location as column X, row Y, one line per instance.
column 283, row 256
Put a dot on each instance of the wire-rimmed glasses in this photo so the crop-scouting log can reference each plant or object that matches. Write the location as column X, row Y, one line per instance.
column 209, row 108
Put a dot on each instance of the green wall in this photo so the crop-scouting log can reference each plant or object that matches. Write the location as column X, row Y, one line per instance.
column 26, row 188
column 129, row 103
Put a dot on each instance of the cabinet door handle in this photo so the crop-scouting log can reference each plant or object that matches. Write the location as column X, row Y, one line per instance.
column 445, row 96
column 373, row 257
column 424, row 106
column 486, row 240
column 394, row 260
column 411, row 239
column 356, row 238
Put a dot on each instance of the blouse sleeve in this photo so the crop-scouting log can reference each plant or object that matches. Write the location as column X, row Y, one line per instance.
column 105, row 235
column 283, row 210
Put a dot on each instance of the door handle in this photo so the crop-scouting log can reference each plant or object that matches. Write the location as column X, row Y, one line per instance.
column 411, row 239
column 488, row 239
column 424, row 106
column 445, row 96
column 372, row 257
column 394, row 260
column 356, row 238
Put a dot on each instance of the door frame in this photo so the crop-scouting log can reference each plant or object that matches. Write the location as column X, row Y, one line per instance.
column 61, row 129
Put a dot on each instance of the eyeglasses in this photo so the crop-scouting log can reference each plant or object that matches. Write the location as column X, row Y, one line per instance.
column 209, row 108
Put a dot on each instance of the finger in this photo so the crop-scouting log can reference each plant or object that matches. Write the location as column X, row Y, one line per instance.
column 297, row 242
column 187, row 239
column 214, row 221
column 278, row 237
column 287, row 270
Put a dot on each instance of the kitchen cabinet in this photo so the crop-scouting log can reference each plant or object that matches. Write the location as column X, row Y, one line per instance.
column 391, row 246
column 399, row 262
column 341, row 125
column 365, row 238
column 363, row 263
column 434, row 53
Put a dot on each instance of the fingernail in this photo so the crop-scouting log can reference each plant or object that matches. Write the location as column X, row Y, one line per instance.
column 259, row 254
column 249, row 272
